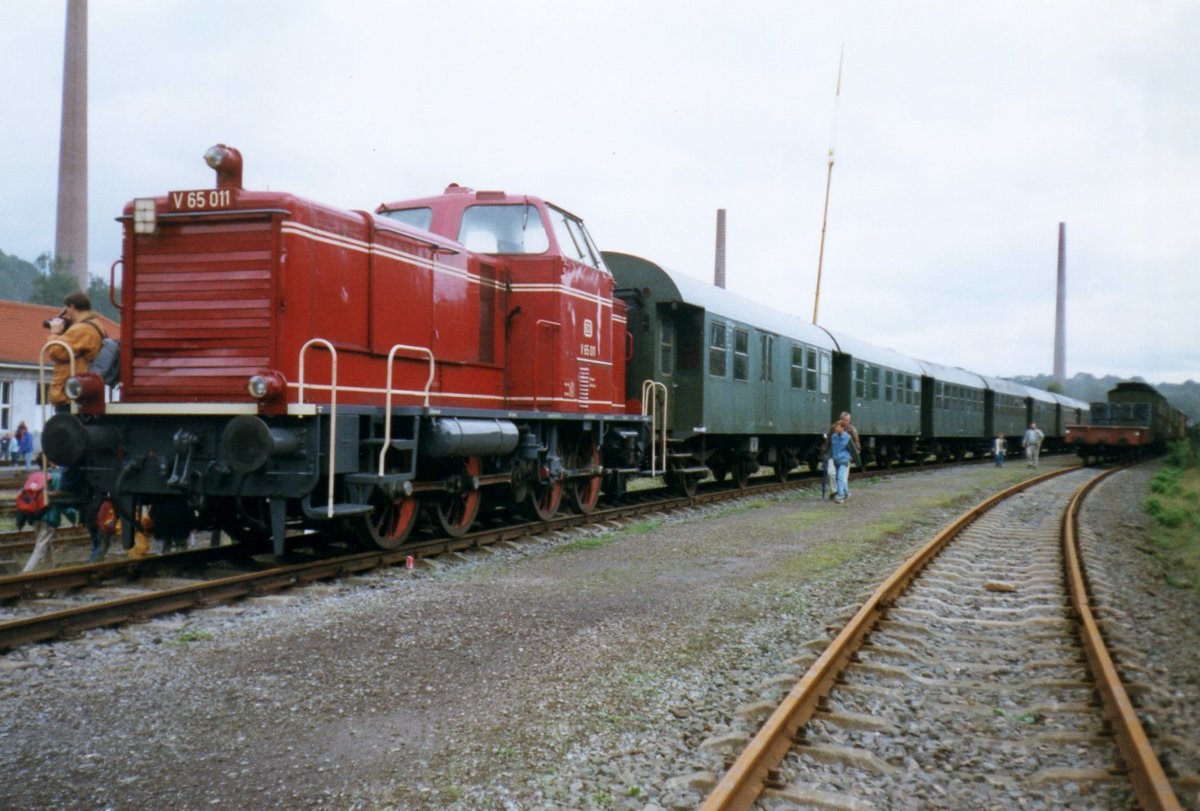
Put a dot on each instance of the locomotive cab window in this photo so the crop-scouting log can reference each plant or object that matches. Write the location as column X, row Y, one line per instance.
column 416, row 217
column 503, row 229
column 573, row 239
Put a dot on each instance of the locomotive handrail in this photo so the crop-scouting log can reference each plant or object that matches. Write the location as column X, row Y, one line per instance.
column 112, row 282
column 650, row 389
column 332, row 408
column 387, row 410
column 45, row 395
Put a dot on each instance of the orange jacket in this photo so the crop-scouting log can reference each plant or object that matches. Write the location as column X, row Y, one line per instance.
column 83, row 337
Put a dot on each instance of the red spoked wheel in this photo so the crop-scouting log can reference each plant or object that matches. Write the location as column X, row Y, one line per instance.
column 456, row 510
column 390, row 523
column 585, row 493
column 544, row 499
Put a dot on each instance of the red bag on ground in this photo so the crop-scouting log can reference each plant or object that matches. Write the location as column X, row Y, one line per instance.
column 106, row 518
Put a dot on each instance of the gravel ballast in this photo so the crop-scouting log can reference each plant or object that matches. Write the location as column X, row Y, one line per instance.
column 599, row 669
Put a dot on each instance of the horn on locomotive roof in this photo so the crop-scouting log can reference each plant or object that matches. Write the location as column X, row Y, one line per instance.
column 227, row 162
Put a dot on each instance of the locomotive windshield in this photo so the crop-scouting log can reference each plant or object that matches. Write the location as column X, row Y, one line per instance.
column 416, row 217
column 503, row 229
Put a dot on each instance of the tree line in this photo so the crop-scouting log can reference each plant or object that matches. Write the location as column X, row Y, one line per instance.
column 47, row 280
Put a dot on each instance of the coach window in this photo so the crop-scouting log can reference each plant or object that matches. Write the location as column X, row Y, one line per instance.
column 874, row 382
column 416, row 217
column 666, row 347
column 766, row 346
column 503, row 229
column 741, row 354
column 797, row 366
column 889, row 386
column 826, row 372
column 716, row 349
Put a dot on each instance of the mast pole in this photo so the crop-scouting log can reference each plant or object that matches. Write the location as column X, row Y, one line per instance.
column 828, row 184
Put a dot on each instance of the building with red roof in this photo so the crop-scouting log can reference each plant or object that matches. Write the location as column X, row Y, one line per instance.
column 21, row 340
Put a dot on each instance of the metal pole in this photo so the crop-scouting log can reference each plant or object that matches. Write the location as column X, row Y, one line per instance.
column 828, row 184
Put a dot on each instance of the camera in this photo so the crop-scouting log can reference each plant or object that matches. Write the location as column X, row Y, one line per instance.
column 63, row 316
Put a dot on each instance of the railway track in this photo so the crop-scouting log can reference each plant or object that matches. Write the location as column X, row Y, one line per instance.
column 967, row 680
column 66, row 601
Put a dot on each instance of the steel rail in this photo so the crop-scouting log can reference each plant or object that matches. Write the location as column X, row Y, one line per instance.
column 744, row 782
column 1150, row 783
column 68, row 621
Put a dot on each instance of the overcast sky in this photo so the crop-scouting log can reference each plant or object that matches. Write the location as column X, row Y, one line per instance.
column 965, row 133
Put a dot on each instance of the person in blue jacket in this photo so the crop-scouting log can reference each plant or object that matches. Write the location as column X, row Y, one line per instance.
column 839, row 449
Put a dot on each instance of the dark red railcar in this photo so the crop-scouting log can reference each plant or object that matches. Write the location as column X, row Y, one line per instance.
column 286, row 362
column 1136, row 420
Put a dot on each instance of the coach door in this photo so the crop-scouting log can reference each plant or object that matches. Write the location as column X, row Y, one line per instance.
column 680, row 350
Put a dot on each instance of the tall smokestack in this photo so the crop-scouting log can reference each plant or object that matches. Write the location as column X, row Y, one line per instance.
column 70, row 243
column 1060, row 314
column 719, row 271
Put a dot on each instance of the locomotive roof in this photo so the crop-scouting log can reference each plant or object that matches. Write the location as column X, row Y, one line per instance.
column 668, row 285
column 952, row 374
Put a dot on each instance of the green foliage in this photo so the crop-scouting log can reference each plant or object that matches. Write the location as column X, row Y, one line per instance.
column 1175, row 510
column 48, row 280
column 17, row 277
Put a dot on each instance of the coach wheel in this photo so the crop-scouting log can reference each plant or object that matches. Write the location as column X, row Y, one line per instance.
column 686, row 484
column 742, row 468
column 784, row 462
column 456, row 511
column 719, row 470
column 389, row 524
column 585, row 493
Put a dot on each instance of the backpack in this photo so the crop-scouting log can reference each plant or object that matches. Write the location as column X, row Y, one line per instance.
column 107, row 363
column 32, row 498
column 106, row 518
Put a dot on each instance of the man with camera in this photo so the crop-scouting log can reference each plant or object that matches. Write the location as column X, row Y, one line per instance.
column 77, row 327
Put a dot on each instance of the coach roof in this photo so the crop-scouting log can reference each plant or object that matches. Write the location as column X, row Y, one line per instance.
column 667, row 286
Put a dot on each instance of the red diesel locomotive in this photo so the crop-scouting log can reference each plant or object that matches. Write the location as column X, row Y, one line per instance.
column 290, row 364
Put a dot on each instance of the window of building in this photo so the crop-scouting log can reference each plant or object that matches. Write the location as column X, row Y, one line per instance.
column 6, row 387
column 741, row 354
column 717, row 349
